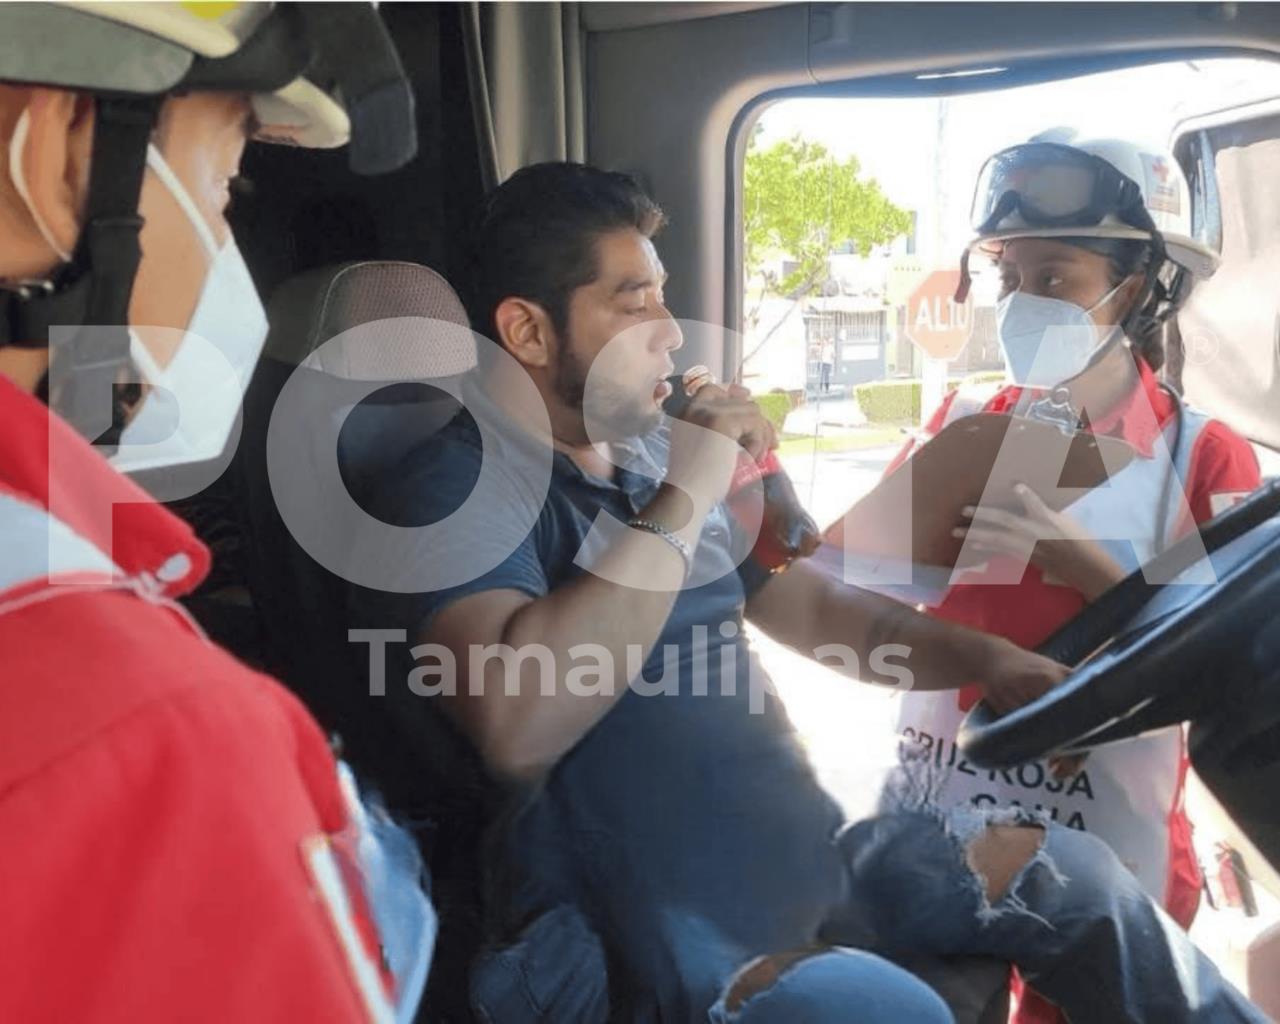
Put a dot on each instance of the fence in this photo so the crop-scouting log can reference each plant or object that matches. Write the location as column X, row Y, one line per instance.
column 844, row 347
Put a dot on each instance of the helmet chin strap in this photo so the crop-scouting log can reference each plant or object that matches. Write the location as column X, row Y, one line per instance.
column 1132, row 323
column 94, row 288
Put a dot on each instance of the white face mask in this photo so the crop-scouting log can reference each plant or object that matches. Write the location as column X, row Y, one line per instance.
column 1048, row 341
column 191, row 407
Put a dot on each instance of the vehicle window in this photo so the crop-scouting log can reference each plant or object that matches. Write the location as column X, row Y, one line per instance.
column 850, row 204
column 1195, row 153
column 1231, row 327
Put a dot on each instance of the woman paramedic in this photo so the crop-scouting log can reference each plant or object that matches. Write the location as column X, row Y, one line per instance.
column 1092, row 247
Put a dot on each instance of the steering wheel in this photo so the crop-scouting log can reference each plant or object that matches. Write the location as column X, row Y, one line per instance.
column 1146, row 655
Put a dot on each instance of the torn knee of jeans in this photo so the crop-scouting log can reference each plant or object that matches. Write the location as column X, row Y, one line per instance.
column 998, row 894
column 760, row 975
column 911, row 869
column 999, row 854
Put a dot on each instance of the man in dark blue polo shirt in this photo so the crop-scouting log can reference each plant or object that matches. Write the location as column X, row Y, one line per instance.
column 586, row 637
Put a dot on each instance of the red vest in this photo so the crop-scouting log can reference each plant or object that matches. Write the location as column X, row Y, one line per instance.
column 1130, row 794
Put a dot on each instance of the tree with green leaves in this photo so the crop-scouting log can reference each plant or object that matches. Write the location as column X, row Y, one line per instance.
column 802, row 204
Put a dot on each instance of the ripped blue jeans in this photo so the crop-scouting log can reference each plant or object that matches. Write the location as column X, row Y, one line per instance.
column 1074, row 921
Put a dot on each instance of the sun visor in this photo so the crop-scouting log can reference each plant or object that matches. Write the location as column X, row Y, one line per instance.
column 357, row 61
column 324, row 75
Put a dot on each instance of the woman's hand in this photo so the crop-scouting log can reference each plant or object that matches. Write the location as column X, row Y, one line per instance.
column 1051, row 540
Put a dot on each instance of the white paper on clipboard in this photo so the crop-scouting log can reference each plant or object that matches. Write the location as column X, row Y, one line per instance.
column 903, row 581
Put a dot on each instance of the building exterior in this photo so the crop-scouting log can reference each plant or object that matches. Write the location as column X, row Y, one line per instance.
column 851, row 330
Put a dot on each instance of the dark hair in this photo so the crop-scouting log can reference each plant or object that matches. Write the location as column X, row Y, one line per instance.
column 537, row 238
column 1126, row 257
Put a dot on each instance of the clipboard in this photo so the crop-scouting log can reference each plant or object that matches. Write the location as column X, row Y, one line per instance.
column 976, row 460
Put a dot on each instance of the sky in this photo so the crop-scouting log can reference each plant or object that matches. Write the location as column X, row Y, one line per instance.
column 896, row 140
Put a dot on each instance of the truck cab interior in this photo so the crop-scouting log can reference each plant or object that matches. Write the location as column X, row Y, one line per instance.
column 668, row 92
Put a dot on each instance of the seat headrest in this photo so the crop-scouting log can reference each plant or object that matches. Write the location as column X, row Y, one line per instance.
column 421, row 333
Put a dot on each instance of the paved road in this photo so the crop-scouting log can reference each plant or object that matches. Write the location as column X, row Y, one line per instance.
column 848, row 726
column 829, row 482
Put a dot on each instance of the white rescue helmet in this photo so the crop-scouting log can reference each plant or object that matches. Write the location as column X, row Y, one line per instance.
column 1058, row 185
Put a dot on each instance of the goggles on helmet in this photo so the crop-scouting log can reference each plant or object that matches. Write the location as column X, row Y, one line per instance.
column 1054, row 186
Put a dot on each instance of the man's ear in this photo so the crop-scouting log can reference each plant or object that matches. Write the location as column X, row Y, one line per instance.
column 525, row 330
column 55, row 161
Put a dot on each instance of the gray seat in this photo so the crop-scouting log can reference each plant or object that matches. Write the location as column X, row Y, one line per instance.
column 352, row 346
column 363, row 395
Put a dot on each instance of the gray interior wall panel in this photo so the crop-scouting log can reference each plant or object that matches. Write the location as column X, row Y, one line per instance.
column 851, row 40
column 661, row 102
column 612, row 16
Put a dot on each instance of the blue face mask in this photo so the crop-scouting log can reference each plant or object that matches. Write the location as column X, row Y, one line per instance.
column 1048, row 341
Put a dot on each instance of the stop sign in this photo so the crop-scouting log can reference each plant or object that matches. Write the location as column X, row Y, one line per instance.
column 939, row 327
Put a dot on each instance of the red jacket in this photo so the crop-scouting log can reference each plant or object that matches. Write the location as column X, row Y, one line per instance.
column 170, row 821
